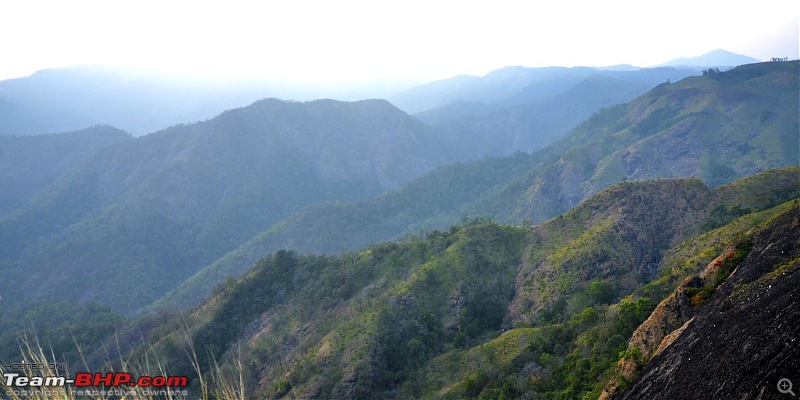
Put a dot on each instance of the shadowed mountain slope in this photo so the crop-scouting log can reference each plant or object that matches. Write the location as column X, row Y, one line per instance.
column 145, row 213
column 471, row 311
column 716, row 128
column 28, row 164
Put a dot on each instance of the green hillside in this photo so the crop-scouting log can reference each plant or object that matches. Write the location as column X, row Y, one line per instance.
column 131, row 221
column 330, row 228
column 540, row 113
column 28, row 164
column 747, row 301
column 481, row 310
column 366, row 269
column 717, row 127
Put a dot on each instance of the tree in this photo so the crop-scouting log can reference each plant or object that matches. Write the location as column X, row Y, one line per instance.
column 601, row 292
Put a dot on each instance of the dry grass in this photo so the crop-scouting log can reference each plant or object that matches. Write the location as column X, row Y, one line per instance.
column 216, row 384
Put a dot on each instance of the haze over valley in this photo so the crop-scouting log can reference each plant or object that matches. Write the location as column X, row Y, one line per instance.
column 350, row 212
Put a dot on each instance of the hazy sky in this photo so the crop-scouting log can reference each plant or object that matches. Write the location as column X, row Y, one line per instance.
column 355, row 40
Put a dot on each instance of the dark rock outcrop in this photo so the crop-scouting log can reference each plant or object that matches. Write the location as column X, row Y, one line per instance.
column 666, row 323
column 744, row 338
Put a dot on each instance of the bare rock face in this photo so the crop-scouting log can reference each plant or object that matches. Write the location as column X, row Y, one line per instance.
column 666, row 324
column 742, row 340
column 670, row 315
column 672, row 336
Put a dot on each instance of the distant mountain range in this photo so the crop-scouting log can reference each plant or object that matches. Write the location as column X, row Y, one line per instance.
column 513, row 86
column 534, row 124
column 524, row 109
column 67, row 99
column 715, row 58
column 717, row 129
column 330, row 249
column 141, row 102
column 163, row 204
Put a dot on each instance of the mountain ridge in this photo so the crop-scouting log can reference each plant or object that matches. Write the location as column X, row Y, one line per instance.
column 28, row 164
column 717, row 129
column 714, row 58
column 754, row 302
column 435, row 316
column 142, row 101
column 180, row 196
column 505, row 85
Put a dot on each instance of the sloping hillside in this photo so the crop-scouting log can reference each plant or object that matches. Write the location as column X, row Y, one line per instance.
column 28, row 164
column 527, row 118
column 716, row 128
column 503, row 130
column 518, row 85
column 144, row 214
column 463, row 313
column 741, row 340
column 330, row 228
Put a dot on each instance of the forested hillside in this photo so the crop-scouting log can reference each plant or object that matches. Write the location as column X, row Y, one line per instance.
column 399, row 200
column 745, row 299
column 718, row 127
column 28, row 164
column 481, row 310
column 532, row 107
column 143, row 214
column 344, row 251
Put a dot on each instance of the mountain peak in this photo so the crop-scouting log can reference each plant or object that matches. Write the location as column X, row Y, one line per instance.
column 714, row 58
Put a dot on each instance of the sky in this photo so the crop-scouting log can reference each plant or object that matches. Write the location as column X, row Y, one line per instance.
column 350, row 40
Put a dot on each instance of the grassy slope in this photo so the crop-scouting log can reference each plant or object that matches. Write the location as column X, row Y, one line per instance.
column 356, row 324
column 744, row 306
column 426, row 317
column 329, row 228
column 572, row 357
column 132, row 221
column 717, row 129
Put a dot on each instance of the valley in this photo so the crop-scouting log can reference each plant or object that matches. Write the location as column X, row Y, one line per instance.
column 532, row 233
